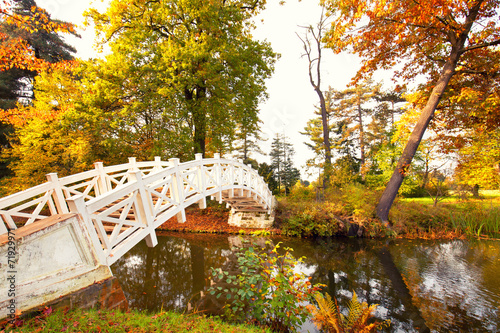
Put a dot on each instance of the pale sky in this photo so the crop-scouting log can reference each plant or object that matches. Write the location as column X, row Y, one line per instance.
column 292, row 99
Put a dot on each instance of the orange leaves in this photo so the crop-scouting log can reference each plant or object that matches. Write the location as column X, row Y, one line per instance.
column 16, row 52
column 19, row 117
column 385, row 31
column 38, row 20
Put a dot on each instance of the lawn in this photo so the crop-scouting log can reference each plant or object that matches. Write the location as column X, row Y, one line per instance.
column 489, row 198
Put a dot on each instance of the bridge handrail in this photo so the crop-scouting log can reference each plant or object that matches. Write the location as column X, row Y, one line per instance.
column 134, row 210
column 54, row 195
column 29, row 205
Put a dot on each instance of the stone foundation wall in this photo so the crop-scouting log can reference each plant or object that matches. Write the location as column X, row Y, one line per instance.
column 260, row 220
column 44, row 261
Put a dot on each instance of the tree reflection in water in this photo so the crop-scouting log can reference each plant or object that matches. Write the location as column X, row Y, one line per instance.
column 420, row 285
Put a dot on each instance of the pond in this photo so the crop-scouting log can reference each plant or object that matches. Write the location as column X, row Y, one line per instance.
column 420, row 285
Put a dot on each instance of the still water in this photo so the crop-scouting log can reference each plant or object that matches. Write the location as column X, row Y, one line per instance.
column 437, row 286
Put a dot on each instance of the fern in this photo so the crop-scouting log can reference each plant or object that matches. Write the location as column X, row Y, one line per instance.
column 328, row 317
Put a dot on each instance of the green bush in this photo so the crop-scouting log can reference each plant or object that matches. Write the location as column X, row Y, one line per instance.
column 301, row 192
column 359, row 201
column 268, row 291
column 309, row 218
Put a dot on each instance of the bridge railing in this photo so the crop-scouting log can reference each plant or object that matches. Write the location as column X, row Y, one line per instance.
column 123, row 204
column 49, row 198
column 119, row 219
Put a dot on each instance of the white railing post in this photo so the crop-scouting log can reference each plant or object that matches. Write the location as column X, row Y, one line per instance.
column 157, row 166
column 218, row 174
column 58, row 195
column 132, row 163
column 231, row 178
column 241, row 180
column 177, row 190
column 145, row 209
column 200, row 180
column 249, row 181
column 77, row 205
column 102, row 182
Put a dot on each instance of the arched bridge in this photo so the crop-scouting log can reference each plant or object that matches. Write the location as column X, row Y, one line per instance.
column 121, row 205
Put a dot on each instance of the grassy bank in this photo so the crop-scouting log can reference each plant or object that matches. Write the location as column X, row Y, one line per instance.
column 117, row 321
column 351, row 211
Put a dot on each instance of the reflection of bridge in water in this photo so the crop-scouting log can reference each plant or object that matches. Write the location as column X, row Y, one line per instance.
column 70, row 229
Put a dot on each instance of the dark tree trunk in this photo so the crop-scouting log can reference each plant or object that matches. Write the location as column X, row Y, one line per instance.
column 475, row 191
column 193, row 98
column 326, row 138
column 361, row 140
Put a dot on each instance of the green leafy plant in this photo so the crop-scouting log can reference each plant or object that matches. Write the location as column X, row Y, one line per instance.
column 267, row 290
column 328, row 317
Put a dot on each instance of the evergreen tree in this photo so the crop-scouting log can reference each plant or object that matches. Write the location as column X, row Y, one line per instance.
column 350, row 110
column 282, row 153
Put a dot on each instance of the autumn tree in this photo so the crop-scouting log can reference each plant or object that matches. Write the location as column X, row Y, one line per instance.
column 479, row 162
column 43, row 43
column 312, row 42
column 28, row 38
column 29, row 43
column 203, row 69
column 46, row 139
column 432, row 38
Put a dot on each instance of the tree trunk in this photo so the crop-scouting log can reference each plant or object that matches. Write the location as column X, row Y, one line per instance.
column 475, row 191
column 326, row 138
column 411, row 147
column 199, row 118
column 361, row 141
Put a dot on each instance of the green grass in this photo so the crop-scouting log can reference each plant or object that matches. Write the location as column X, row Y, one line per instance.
column 117, row 321
column 488, row 198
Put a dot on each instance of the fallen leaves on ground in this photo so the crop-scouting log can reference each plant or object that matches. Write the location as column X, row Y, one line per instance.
column 208, row 220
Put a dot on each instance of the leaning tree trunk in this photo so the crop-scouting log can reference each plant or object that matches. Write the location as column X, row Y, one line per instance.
column 404, row 162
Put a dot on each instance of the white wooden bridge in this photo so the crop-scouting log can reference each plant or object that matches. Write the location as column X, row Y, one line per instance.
column 122, row 204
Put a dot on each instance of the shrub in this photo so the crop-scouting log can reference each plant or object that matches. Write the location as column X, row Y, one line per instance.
column 268, row 291
column 309, row 218
column 359, row 201
column 300, row 192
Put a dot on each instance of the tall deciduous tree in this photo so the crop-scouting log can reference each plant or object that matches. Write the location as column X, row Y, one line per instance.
column 313, row 45
column 45, row 139
column 432, row 37
column 199, row 57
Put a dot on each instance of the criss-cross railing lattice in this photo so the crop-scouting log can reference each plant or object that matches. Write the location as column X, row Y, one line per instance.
column 123, row 204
